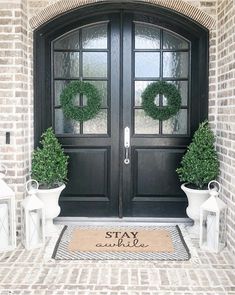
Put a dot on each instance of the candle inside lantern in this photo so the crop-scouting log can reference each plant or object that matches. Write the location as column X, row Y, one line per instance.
column 4, row 227
column 34, row 224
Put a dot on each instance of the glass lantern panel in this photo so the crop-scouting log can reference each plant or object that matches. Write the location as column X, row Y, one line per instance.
column 35, row 227
column 203, row 229
column 23, row 224
column 5, row 224
column 222, row 227
column 211, row 230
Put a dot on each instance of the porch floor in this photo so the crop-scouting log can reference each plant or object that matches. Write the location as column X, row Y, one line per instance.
column 34, row 272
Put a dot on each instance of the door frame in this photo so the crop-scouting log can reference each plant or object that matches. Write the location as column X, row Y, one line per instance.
column 166, row 18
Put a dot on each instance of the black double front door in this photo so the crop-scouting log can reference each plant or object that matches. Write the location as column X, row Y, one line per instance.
column 122, row 162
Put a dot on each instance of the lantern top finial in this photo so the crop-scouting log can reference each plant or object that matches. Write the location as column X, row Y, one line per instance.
column 32, row 186
column 3, row 171
column 214, row 203
column 214, row 188
column 32, row 202
column 5, row 190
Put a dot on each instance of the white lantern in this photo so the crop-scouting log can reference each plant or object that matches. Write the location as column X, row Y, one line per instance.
column 33, row 218
column 7, row 214
column 213, row 221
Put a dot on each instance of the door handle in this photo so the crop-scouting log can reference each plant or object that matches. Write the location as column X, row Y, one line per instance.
column 127, row 145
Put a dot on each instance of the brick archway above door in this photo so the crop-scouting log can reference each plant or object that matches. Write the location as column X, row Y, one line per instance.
column 182, row 7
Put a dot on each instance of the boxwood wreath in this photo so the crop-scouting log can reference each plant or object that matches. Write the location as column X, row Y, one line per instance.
column 80, row 113
column 161, row 112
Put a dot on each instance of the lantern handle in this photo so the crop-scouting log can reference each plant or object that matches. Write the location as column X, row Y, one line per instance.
column 4, row 173
column 31, row 181
column 217, row 183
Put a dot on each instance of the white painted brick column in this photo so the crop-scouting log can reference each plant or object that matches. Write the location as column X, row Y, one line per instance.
column 14, row 93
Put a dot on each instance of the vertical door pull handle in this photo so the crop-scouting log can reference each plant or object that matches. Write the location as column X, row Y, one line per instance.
column 127, row 145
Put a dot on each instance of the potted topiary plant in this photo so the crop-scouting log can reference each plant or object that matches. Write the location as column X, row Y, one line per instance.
column 199, row 166
column 49, row 168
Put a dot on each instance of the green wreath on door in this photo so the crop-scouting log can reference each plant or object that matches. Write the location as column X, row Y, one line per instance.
column 172, row 95
column 80, row 113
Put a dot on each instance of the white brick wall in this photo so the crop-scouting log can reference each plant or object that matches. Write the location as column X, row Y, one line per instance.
column 225, row 120
column 14, row 92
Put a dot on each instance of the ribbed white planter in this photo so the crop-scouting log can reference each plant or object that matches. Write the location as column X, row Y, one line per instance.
column 195, row 199
column 50, row 199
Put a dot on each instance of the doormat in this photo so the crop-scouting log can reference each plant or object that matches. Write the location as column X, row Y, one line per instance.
column 121, row 243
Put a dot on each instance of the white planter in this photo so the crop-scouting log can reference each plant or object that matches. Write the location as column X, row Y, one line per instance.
column 50, row 198
column 195, row 199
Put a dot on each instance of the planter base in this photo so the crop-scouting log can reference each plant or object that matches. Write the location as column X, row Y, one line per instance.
column 194, row 229
column 50, row 199
column 195, row 199
column 50, row 228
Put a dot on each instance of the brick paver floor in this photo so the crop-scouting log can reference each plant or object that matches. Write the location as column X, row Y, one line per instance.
column 33, row 272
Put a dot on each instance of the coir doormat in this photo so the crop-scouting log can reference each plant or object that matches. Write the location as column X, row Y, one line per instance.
column 121, row 242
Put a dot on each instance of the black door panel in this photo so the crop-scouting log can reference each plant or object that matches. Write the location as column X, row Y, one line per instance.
column 154, row 173
column 89, row 171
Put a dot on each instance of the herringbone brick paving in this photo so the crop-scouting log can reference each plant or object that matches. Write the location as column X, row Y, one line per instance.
column 33, row 272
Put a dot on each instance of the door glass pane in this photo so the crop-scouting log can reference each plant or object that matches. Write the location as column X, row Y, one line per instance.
column 145, row 124
column 176, row 124
column 175, row 64
column 70, row 41
column 97, row 125
column 146, row 37
column 139, row 88
column 59, row 87
column 95, row 64
column 182, row 86
column 64, row 125
column 101, row 86
column 66, row 64
column 95, row 37
column 147, row 64
column 171, row 41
